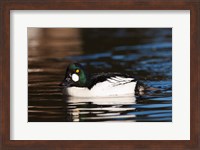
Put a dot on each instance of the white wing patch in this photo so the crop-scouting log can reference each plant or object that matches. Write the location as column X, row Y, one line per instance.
column 115, row 81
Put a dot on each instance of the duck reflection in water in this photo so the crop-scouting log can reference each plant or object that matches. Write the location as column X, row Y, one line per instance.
column 99, row 109
column 126, row 108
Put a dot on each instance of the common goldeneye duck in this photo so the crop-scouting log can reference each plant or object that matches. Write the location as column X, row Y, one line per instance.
column 78, row 83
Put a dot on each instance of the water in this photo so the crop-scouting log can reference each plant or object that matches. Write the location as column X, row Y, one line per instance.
column 145, row 53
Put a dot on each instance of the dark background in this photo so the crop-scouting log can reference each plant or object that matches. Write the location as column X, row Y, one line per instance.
column 145, row 53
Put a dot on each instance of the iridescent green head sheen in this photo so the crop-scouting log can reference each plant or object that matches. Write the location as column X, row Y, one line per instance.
column 75, row 76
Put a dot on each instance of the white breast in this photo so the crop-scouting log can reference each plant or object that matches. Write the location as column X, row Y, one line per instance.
column 116, row 86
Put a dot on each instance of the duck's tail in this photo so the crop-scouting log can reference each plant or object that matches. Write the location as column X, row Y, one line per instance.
column 141, row 88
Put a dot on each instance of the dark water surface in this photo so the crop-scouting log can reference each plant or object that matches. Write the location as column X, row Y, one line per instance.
column 145, row 53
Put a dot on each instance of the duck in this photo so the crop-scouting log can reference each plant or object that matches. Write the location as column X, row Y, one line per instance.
column 79, row 83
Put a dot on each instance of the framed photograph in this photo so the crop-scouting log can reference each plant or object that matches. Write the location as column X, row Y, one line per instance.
column 100, row 75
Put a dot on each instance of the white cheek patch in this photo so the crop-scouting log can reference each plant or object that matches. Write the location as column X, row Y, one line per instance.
column 75, row 77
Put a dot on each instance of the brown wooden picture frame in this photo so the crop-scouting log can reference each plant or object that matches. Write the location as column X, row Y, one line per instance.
column 8, row 5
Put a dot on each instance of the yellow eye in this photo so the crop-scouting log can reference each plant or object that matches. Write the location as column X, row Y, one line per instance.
column 77, row 70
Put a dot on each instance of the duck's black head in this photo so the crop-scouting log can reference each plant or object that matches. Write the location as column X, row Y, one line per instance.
column 75, row 76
